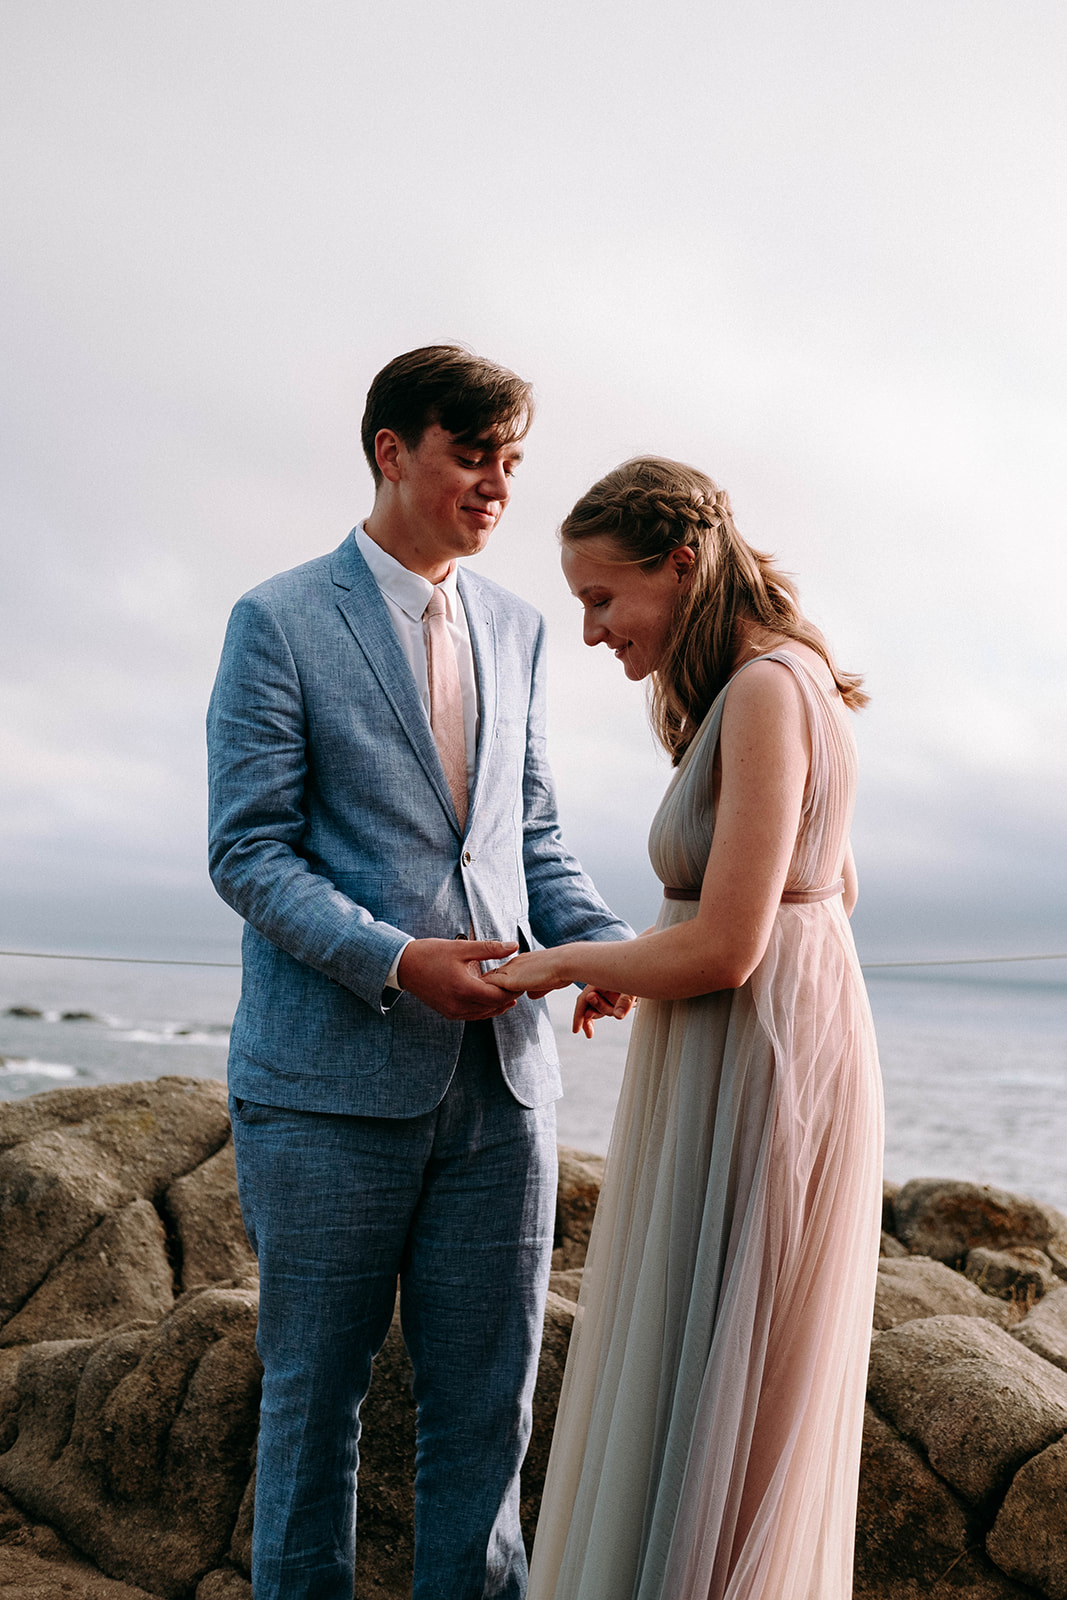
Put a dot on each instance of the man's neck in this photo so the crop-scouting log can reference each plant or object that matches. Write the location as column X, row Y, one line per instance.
column 397, row 540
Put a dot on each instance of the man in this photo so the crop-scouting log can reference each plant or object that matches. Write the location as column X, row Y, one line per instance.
column 383, row 819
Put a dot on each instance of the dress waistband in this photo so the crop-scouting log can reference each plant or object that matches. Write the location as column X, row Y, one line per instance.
column 791, row 897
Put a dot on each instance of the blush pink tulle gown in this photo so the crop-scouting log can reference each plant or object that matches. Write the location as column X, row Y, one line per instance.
column 708, row 1439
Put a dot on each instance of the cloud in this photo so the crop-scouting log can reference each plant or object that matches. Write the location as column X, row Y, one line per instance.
column 783, row 243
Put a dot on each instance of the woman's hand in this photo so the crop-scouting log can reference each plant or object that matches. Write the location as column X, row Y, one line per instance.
column 536, row 973
column 593, row 1003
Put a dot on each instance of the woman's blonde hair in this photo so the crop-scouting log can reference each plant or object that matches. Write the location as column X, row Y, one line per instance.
column 650, row 506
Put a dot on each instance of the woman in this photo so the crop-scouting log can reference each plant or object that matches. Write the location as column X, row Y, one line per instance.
column 708, row 1439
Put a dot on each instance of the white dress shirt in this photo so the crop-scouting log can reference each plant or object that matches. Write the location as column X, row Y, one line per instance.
column 406, row 597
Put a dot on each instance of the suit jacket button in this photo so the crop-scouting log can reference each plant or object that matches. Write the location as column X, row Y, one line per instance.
column 466, row 858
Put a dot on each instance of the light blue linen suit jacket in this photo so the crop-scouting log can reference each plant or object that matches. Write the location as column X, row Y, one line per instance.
column 334, row 835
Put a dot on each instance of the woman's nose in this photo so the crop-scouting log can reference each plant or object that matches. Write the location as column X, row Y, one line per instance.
column 593, row 631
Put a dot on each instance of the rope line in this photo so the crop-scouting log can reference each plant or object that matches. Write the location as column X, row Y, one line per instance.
column 961, row 961
column 866, row 966
column 128, row 961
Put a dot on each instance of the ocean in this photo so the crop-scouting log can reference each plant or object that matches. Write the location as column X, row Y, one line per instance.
column 974, row 1059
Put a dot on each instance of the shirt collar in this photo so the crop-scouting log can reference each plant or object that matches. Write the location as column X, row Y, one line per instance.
column 404, row 588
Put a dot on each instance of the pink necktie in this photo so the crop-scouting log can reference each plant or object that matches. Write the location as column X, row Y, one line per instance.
column 446, row 700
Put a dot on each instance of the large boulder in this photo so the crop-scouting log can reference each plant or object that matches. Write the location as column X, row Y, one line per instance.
column 945, row 1219
column 205, row 1215
column 75, row 1158
column 1044, row 1329
column 912, row 1287
column 1029, row 1537
column 976, row 1402
column 136, row 1445
column 120, row 1272
column 1020, row 1275
column 913, row 1536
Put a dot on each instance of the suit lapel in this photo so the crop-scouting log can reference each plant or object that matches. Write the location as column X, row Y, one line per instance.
column 481, row 625
column 365, row 612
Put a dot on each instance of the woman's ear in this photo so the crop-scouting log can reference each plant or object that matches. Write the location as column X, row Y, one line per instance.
column 682, row 561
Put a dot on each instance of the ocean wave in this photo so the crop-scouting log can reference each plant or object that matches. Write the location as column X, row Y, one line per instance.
column 23, row 1066
column 174, row 1035
column 126, row 1028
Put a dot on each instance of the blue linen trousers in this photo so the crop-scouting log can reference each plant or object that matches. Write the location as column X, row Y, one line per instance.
column 458, row 1204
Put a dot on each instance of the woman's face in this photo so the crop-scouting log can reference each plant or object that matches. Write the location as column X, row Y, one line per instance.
column 628, row 608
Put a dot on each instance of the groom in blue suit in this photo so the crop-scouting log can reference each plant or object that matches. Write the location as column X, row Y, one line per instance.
column 383, row 818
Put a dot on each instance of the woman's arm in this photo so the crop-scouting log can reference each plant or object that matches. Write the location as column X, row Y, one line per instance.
column 765, row 753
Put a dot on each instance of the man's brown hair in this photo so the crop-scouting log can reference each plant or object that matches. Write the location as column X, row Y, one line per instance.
column 471, row 398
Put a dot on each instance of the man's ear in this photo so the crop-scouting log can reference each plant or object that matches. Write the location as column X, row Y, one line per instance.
column 682, row 560
column 387, row 448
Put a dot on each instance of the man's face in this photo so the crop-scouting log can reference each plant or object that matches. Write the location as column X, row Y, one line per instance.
column 451, row 494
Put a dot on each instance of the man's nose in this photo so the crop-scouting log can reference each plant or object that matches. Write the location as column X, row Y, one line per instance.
column 495, row 484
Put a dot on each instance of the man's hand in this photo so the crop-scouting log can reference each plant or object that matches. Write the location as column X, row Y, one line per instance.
column 445, row 975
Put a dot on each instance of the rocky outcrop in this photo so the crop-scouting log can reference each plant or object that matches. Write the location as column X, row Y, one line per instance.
column 128, row 1375
column 946, row 1219
column 914, row 1286
column 965, row 1443
column 73, row 1166
column 129, row 1380
column 136, row 1445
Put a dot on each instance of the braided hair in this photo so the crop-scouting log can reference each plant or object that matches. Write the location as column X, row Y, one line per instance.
column 650, row 506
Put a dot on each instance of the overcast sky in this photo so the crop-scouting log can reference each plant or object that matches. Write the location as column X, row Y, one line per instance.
column 816, row 248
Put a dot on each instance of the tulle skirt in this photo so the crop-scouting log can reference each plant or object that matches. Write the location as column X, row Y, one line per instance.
column 708, row 1438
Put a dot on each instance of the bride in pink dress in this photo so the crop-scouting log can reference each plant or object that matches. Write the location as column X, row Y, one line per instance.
column 708, row 1438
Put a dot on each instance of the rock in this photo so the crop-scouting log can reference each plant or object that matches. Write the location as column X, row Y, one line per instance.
column 889, row 1212
column 241, row 1543
column 913, row 1287
column 25, row 1575
column 580, row 1178
column 224, row 1584
column 119, row 1273
column 913, row 1537
column 78, row 1016
column 72, row 1156
column 23, row 1011
column 559, row 1320
column 945, row 1219
column 1021, row 1275
column 1044, row 1329
column 36, row 1564
column 1029, row 1537
column 964, row 1390
column 891, row 1246
column 566, row 1284
column 205, row 1214
column 136, row 1446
